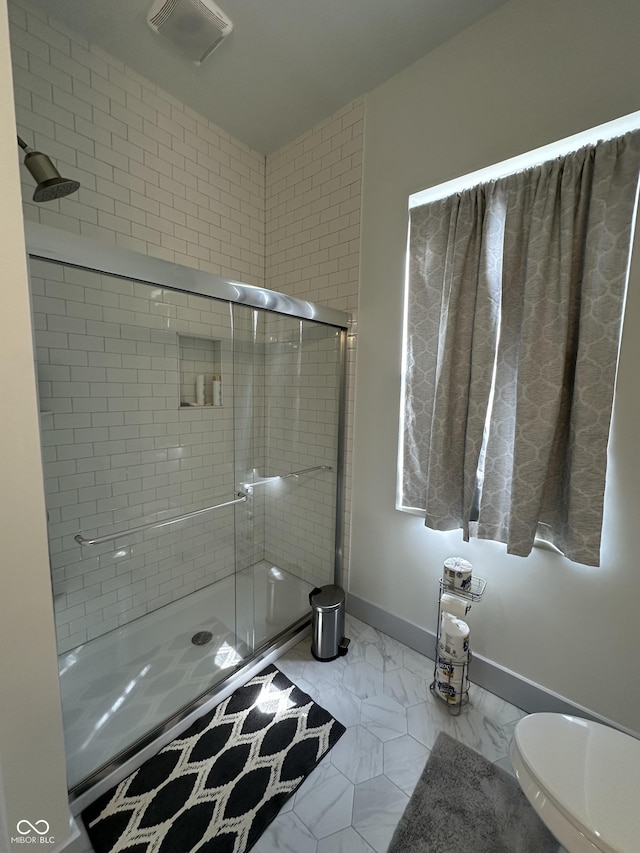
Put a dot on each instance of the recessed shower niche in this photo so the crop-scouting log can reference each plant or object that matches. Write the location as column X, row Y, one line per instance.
column 201, row 371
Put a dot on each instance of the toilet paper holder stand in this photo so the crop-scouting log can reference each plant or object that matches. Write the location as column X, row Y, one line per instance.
column 450, row 675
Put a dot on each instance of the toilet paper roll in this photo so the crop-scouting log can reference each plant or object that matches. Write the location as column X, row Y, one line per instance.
column 442, row 675
column 457, row 573
column 458, row 607
column 450, row 691
column 449, row 668
column 453, row 641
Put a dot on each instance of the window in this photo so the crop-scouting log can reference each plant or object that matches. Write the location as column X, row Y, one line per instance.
column 514, row 304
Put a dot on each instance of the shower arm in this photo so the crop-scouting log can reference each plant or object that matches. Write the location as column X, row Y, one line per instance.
column 81, row 540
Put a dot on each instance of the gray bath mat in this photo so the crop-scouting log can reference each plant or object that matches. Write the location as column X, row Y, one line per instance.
column 465, row 804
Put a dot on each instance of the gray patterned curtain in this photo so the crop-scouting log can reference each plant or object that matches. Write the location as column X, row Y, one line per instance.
column 515, row 302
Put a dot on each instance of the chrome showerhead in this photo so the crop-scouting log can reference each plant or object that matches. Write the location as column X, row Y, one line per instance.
column 51, row 184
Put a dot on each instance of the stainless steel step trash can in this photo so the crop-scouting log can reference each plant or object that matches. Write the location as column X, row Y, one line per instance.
column 327, row 622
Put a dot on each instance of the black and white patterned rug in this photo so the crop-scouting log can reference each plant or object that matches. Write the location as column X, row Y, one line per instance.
column 216, row 788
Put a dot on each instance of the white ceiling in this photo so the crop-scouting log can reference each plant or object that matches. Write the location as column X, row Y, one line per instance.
column 287, row 64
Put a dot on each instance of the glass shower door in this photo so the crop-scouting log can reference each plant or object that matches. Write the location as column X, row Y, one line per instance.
column 190, row 450
column 287, row 391
column 133, row 437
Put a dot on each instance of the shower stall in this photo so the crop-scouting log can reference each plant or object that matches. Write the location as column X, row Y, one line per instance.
column 192, row 432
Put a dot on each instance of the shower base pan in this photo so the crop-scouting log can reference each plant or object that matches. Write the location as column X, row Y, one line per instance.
column 120, row 687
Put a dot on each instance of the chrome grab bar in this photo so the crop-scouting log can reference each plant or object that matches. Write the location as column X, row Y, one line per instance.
column 80, row 539
column 306, row 471
column 265, row 480
column 242, row 497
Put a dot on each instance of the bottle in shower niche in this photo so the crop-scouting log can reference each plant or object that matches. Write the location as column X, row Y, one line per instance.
column 217, row 389
column 200, row 389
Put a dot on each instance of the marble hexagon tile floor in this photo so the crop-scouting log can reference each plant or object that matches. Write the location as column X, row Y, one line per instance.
column 354, row 798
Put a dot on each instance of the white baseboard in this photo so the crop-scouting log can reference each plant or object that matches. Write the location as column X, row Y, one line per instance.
column 513, row 688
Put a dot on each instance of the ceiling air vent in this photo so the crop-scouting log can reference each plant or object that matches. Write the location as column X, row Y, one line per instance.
column 196, row 27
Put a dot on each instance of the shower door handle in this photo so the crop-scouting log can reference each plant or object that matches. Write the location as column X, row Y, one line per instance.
column 81, row 540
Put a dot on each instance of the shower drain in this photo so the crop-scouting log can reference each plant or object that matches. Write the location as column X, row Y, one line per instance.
column 202, row 638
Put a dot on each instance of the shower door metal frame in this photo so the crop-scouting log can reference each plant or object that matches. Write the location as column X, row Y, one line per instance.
column 50, row 244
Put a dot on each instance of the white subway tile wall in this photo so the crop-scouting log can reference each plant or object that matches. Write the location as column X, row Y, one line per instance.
column 313, row 212
column 120, row 451
column 313, row 201
column 160, row 179
column 155, row 176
